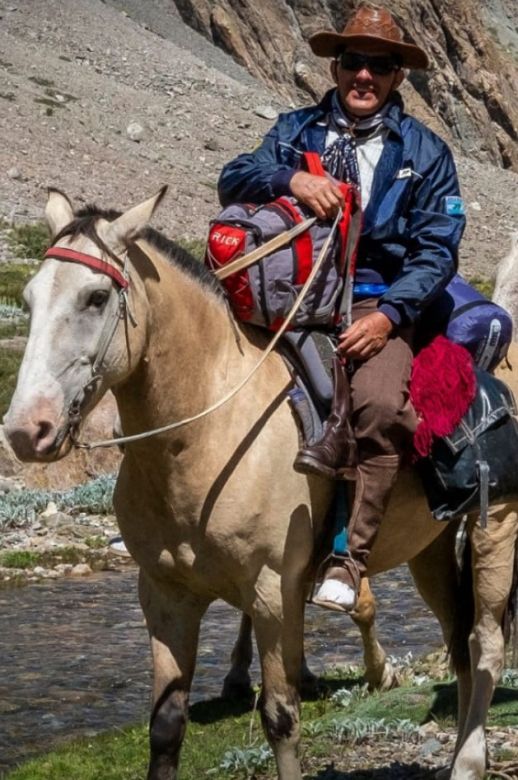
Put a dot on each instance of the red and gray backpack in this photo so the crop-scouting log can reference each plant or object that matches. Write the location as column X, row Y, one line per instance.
column 263, row 293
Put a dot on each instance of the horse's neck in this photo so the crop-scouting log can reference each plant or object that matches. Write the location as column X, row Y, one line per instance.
column 192, row 358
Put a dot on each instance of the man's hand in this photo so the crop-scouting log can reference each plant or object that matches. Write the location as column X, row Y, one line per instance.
column 365, row 337
column 321, row 194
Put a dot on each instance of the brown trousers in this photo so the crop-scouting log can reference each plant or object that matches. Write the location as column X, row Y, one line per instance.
column 383, row 418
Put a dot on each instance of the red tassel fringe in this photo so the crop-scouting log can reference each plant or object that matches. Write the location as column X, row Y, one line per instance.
column 442, row 387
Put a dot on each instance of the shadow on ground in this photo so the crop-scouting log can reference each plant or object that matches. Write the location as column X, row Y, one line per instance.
column 444, row 704
column 395, row 771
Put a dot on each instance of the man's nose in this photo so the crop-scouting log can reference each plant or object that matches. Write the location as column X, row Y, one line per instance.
column 364, row 74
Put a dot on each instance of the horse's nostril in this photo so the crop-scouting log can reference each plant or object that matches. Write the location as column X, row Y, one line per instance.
column 45, row 428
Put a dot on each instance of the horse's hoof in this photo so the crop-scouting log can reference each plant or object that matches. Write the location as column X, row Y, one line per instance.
column 385, row 681
column 237, row 689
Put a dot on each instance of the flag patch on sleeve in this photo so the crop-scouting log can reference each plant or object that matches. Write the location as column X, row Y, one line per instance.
column 454, row 206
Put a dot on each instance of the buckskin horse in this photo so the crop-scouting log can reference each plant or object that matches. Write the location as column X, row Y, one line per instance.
column 213, row 509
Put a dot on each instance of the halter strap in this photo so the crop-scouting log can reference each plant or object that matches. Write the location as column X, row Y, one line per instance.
column 61, row 253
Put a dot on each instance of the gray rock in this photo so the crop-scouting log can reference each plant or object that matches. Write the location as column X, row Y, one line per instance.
column 135, row 132
column 266, row 112
column 431, row 747
column 8, row 485
column 14, row 173
column 213, row 145
column 56, row 520
column 81, row 570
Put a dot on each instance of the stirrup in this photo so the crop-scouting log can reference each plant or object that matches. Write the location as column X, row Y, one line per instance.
column 332, row 593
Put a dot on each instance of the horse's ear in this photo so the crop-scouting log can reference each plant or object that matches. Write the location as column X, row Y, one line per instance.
column 58, row 211
column 129, row 224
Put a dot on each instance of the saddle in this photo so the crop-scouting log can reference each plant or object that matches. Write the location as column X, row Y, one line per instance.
column 466, row 445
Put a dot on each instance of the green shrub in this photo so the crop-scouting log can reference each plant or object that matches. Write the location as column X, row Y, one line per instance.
column 19, row 559
column 195, row 246
column 10, row 360
column 30, row 240
column 484, row 286
column 95, row 497
column 13, row 278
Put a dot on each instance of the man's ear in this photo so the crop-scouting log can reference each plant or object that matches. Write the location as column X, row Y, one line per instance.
column 333, row 69
column 399, row 78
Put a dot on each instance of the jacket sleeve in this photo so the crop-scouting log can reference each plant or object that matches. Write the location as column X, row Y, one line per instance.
column 434, row 230
column 258, row 176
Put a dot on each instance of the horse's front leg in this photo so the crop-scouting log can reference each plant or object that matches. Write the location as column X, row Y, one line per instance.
column 173, row 618
column 279, row 641
column 493, row 551
column 379, row 672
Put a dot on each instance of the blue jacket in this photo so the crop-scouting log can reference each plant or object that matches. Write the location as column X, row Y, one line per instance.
column 414, row 219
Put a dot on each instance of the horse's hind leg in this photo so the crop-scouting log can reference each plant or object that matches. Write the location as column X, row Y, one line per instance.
column 173, row 619
column 493, row 551
column 279, row 642
column 379, row 672
column 237, row 684
column 435, row 572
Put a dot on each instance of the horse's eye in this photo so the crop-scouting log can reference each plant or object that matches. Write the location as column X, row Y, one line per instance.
column 98, row 298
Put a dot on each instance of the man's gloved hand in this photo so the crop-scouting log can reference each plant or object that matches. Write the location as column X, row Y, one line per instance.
column 365, row 337
column 320, row 193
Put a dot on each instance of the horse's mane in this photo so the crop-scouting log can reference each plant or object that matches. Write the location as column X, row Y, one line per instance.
column 84, row 224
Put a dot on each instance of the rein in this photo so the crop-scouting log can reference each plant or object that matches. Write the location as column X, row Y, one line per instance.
column 120, row 313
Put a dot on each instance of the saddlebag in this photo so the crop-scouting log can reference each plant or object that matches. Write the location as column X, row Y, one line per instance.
column 476, row 465
column 264, row 292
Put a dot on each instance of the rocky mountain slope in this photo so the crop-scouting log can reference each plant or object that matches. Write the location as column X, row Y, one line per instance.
column 110, row 100
column 469, row 90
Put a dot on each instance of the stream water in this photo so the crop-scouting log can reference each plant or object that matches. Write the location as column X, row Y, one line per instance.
column 74, row 656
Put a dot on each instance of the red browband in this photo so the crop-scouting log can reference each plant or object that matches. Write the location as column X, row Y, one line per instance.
column 61, row 253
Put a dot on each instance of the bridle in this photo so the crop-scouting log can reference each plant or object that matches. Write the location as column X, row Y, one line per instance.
column 122, row 312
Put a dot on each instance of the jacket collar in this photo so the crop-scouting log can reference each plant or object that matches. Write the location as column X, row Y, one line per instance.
column 392, row 118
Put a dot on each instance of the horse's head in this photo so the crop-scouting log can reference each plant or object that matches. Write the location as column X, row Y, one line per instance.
column 79, row 342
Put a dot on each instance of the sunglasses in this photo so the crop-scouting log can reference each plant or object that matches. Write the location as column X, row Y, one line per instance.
column 379, row 65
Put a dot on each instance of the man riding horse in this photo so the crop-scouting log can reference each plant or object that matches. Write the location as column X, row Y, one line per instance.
column 412, row 225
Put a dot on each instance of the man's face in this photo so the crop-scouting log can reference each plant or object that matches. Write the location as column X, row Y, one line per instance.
column 363, row 91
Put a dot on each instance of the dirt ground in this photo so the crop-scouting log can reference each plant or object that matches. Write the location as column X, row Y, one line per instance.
column 99, row 106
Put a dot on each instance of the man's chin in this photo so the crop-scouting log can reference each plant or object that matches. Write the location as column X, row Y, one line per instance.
column 362, row 108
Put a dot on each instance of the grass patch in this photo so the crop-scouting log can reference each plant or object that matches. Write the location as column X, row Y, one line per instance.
column 30, row 240
column 13, row 278
column 19, row 559
column 95, row 542
column 28, row 559
column 195, row 246
column 484, row 286
column 10, row 360
column 10, row 329
column 225, row 740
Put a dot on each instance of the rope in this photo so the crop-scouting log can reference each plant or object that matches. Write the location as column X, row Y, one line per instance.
column 180, row 423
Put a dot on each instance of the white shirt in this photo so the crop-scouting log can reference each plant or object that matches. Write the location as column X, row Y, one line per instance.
column 368, row 152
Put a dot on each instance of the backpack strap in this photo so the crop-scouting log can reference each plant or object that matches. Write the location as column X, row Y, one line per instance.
column 274, row 243
column 313, row 164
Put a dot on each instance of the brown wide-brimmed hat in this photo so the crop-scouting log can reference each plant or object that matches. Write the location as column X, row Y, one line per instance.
column 369, row 28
